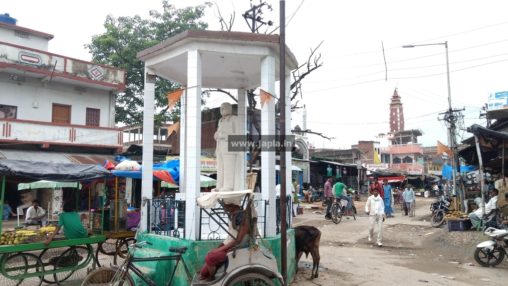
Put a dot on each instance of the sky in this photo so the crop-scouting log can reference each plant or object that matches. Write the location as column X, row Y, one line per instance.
column 348, row 97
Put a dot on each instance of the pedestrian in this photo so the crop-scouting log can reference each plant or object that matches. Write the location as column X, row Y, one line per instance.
column 375, row 209
column 376, row 186
column 387, row 188
column 409, row 199
column 328, row 197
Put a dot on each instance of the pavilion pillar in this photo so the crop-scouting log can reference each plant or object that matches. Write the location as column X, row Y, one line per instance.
column 289, row 165
column 148, row 118
column 242, row 119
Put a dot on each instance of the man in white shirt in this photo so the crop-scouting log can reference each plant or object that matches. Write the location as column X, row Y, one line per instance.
column 375, row 209
column 35, row 214
column 477, row 215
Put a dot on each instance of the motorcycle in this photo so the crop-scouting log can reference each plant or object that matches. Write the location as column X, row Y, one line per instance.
column 492, row 252
column 439, row 210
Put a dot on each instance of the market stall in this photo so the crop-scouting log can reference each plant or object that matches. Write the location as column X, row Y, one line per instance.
column 24, row 257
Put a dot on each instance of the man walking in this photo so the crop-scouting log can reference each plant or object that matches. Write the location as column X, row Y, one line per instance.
column 387, row 198
column 375, row 209
column 409, row 199
column 328, row 197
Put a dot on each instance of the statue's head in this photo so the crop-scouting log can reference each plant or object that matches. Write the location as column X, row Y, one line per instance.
column 226, row 109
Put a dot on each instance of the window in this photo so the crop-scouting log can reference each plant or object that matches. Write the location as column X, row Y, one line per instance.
column 396, row 160
column 61, row 113
column 407, row 159
column 8, row 111
column 93, row 116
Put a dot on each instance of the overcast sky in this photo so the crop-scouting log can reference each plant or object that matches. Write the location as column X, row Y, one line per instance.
column 348, row 98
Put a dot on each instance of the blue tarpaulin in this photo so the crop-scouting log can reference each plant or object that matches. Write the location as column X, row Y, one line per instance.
column 447, row 170
column 160, row 170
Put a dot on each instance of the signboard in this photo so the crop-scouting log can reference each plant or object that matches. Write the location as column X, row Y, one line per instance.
column 497, row 100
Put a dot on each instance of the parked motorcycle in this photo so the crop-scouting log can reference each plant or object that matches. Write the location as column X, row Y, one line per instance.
column 439, row 210
column 492, row 252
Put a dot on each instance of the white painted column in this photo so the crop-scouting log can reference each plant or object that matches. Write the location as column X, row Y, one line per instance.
column 147, row 173
column 289, row 162
column 268, row 158
column 242, row 119
column 192, row 146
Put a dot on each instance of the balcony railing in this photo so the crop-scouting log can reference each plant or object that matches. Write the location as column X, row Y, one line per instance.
column 49, row 133
column 56, row 66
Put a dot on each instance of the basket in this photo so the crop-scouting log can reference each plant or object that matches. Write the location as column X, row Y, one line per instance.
column 459, row 225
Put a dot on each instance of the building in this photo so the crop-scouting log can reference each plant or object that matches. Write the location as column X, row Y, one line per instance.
column 396, row 113
column 54, row 108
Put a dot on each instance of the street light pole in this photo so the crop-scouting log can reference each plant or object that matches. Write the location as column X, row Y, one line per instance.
column 450, row 116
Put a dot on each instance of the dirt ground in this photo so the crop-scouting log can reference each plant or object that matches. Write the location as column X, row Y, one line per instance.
column 413, row 252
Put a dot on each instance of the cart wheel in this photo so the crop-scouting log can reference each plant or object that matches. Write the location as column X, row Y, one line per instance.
column 123, row 247
column 22, row 264
column 108, row 247
column 45, row 257
column 67, row 263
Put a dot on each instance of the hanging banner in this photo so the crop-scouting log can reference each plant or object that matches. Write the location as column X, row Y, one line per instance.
column 265, row 97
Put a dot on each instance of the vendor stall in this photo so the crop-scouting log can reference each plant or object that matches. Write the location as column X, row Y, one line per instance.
column 24, row 257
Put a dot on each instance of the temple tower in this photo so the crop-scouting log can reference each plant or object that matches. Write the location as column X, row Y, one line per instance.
column 396, row 113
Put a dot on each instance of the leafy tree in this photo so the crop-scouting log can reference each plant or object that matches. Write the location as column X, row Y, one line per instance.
column 124, row 38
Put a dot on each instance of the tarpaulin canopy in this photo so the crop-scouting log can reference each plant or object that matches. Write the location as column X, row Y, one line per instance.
column 447, row 170
column 166, row 171
column 62, row 172
column 206, row 182
column 43, row 184
column 480, row 130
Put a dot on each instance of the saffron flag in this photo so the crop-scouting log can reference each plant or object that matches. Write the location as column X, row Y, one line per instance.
column 442, row 148
column 377, row 159
column 265, row 97
column 174, row 97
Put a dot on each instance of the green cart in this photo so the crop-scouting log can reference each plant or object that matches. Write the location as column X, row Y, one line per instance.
column 34, row 263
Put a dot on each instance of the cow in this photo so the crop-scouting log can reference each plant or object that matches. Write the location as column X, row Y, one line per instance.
column 307, row 240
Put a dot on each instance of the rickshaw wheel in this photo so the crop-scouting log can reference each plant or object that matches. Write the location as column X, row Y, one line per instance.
column 100, row 276
column 22, row 263
column 45, row 256
column 251, row 279
column 123, row 247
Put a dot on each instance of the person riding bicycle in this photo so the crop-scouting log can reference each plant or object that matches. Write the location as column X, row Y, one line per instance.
column 239, row 226
column 340, row 192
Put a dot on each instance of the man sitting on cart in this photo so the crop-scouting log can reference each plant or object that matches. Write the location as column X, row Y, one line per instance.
column 239, row 225
column 71, row 223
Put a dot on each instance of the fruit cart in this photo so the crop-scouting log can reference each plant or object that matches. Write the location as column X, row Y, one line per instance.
column 34, row 263
column 24, row 257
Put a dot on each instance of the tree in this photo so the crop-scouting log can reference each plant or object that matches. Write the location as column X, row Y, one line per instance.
column 124, row 38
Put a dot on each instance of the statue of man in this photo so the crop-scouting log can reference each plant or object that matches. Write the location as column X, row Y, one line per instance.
column 228, row 162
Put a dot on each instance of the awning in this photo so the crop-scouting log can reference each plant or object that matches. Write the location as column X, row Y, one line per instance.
column 52, row 171
column 55, row 157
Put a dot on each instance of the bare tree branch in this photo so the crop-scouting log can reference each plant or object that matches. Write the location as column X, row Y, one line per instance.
column 222, row 91
column 225, row 26
column 308, row 131
column 313, row 63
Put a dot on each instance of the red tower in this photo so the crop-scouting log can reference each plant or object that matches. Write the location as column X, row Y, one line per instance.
column 396, row 113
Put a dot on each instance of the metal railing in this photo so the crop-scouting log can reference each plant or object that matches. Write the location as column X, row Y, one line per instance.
column 167, row 218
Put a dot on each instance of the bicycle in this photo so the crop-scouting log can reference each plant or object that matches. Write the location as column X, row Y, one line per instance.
column 339, row 210
column 122, row 275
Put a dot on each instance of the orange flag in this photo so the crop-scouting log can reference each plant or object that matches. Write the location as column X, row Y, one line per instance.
column 264, row 96
column 442, row 148
column 174, row 97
